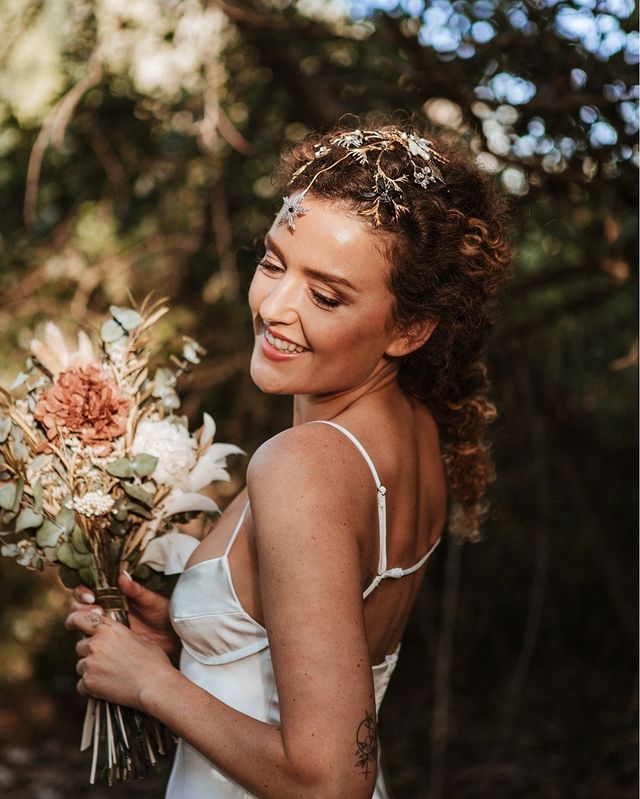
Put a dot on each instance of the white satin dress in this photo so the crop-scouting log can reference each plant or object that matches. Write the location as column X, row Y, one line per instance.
column 226, row 652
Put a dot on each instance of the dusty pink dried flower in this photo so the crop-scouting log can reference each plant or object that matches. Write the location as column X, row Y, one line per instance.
column 83, row 402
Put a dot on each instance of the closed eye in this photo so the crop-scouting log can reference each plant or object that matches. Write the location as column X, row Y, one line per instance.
column 269, row 266
column 323, row 301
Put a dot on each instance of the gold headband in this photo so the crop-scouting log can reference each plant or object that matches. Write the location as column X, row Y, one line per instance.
column 360, row 145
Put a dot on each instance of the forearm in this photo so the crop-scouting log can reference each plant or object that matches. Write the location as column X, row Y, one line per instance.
column 249, row 751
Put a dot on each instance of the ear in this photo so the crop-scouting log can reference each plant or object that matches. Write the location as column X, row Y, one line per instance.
column 411, row 338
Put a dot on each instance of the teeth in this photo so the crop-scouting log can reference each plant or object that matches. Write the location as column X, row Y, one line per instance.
column 279, row 344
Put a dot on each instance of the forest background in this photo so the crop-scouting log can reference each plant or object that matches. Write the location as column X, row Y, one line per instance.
column 137, row 144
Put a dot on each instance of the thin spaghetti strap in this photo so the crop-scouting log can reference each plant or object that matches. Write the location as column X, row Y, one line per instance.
column 395, row 572
column 381, row 499
column 236, row 529
column 422, row 560
column 350, row 436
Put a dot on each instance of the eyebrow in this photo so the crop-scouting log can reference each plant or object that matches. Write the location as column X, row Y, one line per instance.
column 318, row 274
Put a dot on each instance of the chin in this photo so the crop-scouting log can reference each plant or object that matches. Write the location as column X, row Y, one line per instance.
column 266, row 382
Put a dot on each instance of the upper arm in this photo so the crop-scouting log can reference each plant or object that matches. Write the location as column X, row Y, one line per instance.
column 309, row 494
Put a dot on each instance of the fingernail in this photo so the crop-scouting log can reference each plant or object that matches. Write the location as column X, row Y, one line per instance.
column 88, row 598
column 98, row 611
column 126, row 574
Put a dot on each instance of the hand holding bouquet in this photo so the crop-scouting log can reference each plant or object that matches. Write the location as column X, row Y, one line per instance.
column 94, row 464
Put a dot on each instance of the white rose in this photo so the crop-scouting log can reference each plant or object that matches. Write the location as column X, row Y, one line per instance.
column 172, row 445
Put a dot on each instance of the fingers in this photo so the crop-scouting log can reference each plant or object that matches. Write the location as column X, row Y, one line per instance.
column 84, row 602
column 83, row 647
column 84, row 595
column 130, row 587
column 86, row 623
column 80, row 606
column 137, row 593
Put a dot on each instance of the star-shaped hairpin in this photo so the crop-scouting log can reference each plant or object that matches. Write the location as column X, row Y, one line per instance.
column 291, row 209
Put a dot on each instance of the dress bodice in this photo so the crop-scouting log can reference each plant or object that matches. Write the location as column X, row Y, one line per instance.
column 207, row 615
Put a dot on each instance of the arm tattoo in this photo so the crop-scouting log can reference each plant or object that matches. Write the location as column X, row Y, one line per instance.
column 367, row 742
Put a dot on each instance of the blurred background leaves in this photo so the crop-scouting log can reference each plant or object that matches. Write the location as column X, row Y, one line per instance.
column 137, row 144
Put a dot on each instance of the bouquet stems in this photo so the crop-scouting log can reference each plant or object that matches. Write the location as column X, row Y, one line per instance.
column 125, row 742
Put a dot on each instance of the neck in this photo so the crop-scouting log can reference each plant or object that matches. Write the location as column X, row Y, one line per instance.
column 311, row 407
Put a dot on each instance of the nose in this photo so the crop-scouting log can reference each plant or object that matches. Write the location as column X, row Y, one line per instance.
column 280, row 304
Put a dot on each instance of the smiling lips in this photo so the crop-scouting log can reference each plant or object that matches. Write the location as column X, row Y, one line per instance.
column 281, row 345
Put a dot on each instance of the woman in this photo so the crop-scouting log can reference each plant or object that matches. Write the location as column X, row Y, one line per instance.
column 369, row 308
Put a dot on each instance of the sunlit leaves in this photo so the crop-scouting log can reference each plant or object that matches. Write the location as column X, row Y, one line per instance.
column 458, row 29
column 507, row 88
column 598, row 33
column 49, row 534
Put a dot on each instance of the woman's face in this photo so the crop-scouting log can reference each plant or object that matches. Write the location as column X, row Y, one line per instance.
column 320, row 304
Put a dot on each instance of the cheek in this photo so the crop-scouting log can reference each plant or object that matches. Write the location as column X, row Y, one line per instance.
column 362, row 340
column 255, row 295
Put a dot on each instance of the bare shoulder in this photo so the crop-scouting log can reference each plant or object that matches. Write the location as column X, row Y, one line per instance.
column 310, row 483
column 314, row 459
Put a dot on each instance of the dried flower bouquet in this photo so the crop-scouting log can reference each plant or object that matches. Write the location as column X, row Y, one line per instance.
column 95, row 463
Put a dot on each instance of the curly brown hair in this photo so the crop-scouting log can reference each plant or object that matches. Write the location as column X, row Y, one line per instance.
column 449, row 255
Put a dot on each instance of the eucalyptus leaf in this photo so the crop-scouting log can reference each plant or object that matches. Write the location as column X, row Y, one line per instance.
column 40, row 462
column 69, row 576
column 86, row 576
column 144, row 464
column 120, row 511
column 67, row 555
column 28, row 518
column 49, row 534
column 139, row 510
column 84, row 559
column 111, row 331
column 126, row 317
column 78, row 541
column 8, row 496
column 50, row 554
column 19, row 493
column 37, row 496
column 9, row 550
column 120, row 468
column 137, row 492
column 20, row 451
column 65, row 517
column 75, row 560
column 8, row 516
column 5, row 428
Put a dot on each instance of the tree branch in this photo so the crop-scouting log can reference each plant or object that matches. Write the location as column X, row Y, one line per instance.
column 52, row 132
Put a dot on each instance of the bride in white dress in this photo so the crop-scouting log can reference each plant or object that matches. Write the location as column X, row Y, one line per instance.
column 272, row 657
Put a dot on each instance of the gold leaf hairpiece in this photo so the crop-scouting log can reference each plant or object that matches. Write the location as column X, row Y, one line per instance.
column 367, row 148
